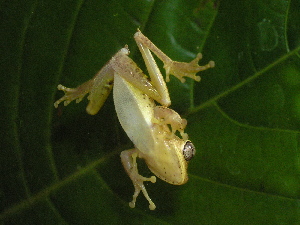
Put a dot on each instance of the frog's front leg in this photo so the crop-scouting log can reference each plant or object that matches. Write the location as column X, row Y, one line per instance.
column 178, row 69
column 169, row 116
column 128, row 159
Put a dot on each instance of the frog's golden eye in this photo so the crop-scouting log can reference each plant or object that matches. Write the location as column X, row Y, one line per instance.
column 188, row 151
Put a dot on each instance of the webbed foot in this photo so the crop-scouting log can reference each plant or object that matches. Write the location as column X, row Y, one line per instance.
column 183, row 69
column 128, row 158
column 72, row 94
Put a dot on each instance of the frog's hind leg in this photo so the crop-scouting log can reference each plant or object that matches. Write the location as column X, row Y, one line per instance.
column 99, row 88
column 128, row 159
column 178, row 69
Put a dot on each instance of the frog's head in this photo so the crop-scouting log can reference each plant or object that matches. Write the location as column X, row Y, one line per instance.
column 171, row 161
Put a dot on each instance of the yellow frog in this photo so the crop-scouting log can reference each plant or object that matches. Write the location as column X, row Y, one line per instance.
column 145, row 123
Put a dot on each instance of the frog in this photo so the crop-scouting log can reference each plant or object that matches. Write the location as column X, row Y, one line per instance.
column 142, row 107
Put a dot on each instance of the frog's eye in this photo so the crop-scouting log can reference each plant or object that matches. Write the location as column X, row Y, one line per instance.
column 188, row 151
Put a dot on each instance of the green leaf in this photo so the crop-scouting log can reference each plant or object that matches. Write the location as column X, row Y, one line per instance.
column 62, row 166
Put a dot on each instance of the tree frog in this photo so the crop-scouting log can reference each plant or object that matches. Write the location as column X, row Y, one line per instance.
column 152, row 128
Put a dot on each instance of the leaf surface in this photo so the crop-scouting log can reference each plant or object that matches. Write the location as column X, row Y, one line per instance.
column 61, row 166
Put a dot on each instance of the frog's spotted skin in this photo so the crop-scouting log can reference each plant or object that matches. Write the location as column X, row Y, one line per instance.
column 146, row 124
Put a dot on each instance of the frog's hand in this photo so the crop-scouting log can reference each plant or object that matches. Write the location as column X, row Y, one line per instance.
column 99, row 88
column 183, row 69
column 168, row 116
column 128, row 158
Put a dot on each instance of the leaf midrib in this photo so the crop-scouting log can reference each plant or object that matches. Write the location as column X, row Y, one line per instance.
column 216, row 98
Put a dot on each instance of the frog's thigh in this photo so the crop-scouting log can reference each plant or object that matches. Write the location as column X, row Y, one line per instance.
column 156, row 77
column 128, row 158
column 126, row 68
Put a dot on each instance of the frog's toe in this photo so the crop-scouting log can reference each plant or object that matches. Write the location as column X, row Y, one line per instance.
column 132, row 204
column 152, row 179
column 152, row 206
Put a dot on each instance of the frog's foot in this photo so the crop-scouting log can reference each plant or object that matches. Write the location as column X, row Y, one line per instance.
column 138, row 187
column 72, row 94
column 166, row 115
column 182, row 69
column 129, row 162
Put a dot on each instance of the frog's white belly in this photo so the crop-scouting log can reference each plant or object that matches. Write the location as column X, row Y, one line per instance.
column 135, row 113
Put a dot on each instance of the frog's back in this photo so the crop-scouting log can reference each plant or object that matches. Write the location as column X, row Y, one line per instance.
column 135, row 113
